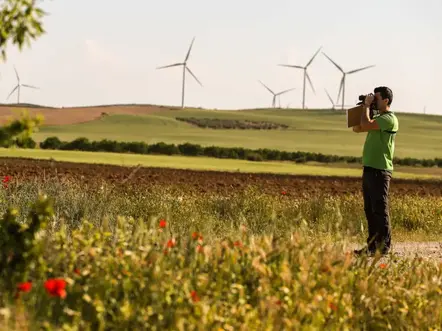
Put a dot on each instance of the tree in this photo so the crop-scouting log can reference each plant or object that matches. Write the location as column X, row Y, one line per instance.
column 20, row 22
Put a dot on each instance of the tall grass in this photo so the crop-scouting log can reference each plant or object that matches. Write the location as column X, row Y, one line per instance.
column 219, row 215
column 245, row 261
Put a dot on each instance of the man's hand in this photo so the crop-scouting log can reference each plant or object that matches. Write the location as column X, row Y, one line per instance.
column 368, row 100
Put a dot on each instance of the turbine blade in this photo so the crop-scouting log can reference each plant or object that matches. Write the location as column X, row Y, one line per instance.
column 340, row 88
column 267, row 88
column 190, row 72
column 291, row 89
column 16, row 74
column 337, row 66
column 30, row 86
column 171, row 65
column 310, row 82
column 309, row 62
column 188, row 52
column 290, row 66
column 360, row 69
column 329, row 97
column 15, row 88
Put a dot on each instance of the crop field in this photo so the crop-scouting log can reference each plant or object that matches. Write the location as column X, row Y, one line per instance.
column 108, row 241
column 321, row 131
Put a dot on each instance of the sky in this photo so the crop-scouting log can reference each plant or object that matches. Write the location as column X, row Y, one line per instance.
column 107, row 51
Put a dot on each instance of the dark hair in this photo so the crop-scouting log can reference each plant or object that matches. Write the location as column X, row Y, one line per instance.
column 385, row 93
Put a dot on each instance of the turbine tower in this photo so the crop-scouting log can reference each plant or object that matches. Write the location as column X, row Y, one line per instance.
column 306, row 76
column 185, row 67
column 19, row 86
column 275, row 95
column 344, row 75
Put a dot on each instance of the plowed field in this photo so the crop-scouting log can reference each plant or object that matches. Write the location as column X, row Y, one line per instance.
column 202, row 181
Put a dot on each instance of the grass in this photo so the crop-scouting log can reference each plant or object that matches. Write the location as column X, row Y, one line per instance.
column 321, row 131
column 240, row 261
column 205, row 163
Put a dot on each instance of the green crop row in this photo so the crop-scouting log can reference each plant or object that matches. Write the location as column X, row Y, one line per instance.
column 187, row 149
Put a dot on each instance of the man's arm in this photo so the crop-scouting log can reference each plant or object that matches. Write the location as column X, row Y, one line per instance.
column 367, row 124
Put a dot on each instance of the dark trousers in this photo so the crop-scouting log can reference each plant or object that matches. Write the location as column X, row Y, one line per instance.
column 375, row 187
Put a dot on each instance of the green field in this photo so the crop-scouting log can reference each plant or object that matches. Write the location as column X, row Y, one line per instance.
column 205, row 163
column 321, row 131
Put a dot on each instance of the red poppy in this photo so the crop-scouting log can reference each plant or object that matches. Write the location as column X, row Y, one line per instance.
column 283, row 192
column 195, row 297
column 5, row 181
column 56, row 287
column 197, row 236
column 163, row 223
column 333, row 306
column 171, row 243
column 24, row 287
column 237, row 244
column 382, row 266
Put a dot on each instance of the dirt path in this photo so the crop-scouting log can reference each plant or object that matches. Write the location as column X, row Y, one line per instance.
column 426, row 250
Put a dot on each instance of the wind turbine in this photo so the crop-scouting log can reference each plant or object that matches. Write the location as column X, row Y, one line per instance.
column 18, row 86
column 344, row 75
column 185, row 67
column 276, row 94
column 330, row 98
column 306, row 76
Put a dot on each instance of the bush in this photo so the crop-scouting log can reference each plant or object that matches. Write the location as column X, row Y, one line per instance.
column 254, row 157
column 51, row 143
column 188, row 149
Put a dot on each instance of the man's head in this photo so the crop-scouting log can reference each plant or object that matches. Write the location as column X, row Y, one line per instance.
column 384, row 98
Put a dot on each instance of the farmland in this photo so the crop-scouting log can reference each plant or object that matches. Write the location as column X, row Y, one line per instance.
column 321, row 131
column 172, row 242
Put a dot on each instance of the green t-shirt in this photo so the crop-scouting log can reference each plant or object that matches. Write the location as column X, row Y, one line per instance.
column 378, row 150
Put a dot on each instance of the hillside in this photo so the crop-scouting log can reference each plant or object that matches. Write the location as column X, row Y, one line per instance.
column 322, row 131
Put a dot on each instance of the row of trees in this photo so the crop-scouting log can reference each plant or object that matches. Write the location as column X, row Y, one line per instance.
column 187, row 149
column 217, row 123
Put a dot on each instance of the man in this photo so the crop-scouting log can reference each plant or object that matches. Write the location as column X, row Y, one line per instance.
column 377, row 160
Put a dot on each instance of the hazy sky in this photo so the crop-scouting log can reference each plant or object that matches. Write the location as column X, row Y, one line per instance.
column 106, row 51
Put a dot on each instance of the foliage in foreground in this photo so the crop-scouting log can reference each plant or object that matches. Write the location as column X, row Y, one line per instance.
column 21, row 22
column 135, row 275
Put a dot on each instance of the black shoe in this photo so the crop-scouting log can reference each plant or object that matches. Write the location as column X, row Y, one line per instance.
column 364, row 251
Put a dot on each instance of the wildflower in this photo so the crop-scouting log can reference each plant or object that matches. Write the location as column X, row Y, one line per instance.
column 284, row 192
column 5, row 181
column 197, row 236
column 195, row 297
column 382, row 266
column 199, row 249
column 77, row 271
column 332, row 306
column 171, row 243
column 24, row 287
column 56, row 287
column 163, row 223
column 237, row 244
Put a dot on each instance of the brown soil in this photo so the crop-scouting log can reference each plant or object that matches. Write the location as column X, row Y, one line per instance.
column 203, row 181
column 75, row 115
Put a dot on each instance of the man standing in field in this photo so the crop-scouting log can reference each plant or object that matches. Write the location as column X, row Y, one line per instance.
column 377, row 160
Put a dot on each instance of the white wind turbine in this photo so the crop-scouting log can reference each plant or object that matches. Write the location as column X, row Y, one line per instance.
column 306, row 76
column 275, row 95
column 19, row 86
column 185, row 67
column 344, row 75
